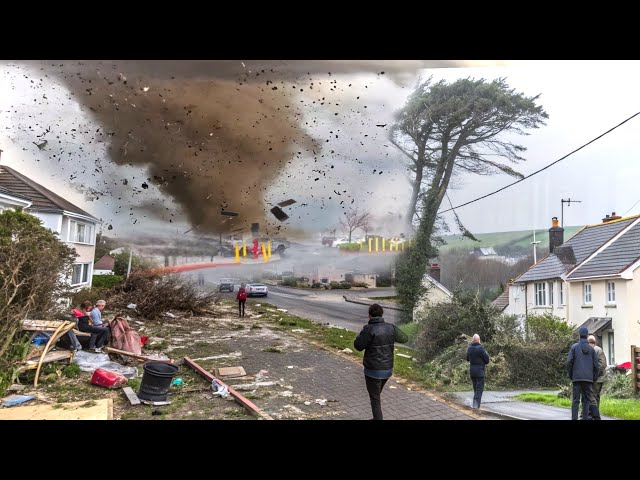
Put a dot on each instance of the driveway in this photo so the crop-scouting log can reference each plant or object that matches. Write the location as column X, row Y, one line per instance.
column 504, row 403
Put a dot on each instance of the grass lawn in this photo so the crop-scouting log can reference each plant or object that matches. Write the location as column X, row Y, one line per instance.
column 627, row 409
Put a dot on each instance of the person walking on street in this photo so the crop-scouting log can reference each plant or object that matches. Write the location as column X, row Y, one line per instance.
column 242, row 299
column 602, row 366
column 477, row 358
column 377, row 340
column 583, row 369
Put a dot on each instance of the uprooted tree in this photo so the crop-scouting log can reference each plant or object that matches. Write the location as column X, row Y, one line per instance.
column 34, row 266
column 445, row 130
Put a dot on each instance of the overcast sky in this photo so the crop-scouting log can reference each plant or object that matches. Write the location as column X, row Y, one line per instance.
column 583, row 100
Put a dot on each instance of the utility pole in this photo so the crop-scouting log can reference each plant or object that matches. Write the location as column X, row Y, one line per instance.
column 535, row 244
column 568, row 202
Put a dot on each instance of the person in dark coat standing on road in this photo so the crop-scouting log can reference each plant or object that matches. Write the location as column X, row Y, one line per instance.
column 478, row 358
column 377, row 340
column 583, row 369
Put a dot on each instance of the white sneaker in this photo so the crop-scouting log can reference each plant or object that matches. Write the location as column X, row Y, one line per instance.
column 97, row 350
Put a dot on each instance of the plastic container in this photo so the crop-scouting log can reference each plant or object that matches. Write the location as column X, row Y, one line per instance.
column 156, row 381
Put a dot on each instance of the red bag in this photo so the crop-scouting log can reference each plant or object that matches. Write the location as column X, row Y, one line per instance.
column 242, row 294
column 106, row 378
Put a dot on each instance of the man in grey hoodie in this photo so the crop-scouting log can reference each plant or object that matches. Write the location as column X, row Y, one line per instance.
column 582, row 367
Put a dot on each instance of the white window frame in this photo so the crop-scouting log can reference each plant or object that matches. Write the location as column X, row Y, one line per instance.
column 561, row 292
column 73, row 229
column 540, row 293
column 587, row 293
column 612, row 346
column 85, row 270
column 611, row 292
column 550, row 297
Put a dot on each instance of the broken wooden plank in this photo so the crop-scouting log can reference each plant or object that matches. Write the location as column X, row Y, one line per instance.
column 85, row 410
column 230, row 372
column 131, row 396
column 245, row 402
column 286, row 203
column 133, row 355
column 61, row 330
column 55, row 356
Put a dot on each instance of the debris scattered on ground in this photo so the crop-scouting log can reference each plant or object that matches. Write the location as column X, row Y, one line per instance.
column 89, row 362
column 12, row 400
column 16, row 388
column 392, row 386
column 216, row 357
column 132, row 306
column 307, row 403
column 299, row 330
column 219, row 389
column 176, row 382
column 403, row 355
column 108, row 379
column 230, row 372
column 156, row 404
column 156, row 412
column 253, row 386
column 347, row 350
column 131, row 396
column 84, row 410
column 321, row 401
column 168, row 314
column 281, row 309
column 289, row 366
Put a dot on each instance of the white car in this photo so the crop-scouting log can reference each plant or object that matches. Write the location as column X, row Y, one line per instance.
column 256, row 289
column 339, row 241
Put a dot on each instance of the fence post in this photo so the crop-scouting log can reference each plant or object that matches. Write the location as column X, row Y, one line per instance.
column 635, row 376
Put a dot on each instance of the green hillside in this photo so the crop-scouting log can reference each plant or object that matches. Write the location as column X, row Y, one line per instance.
column 521, row 238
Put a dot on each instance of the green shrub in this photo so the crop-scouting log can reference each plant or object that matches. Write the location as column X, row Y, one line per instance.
column 340, row 285
column 618, row 385
column 354, row 247
column 289, row 282
column 106, row 281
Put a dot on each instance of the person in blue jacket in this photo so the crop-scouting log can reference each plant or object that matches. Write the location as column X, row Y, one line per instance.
column 582, row 367
column 477, row 358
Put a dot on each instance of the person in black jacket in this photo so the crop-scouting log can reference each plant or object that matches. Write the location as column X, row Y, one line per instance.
column 477, row 358
column 377, row 339
column 583, row 368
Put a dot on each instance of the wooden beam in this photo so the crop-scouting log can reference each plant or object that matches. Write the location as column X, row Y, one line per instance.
column 131, row 396
column 49, row 358
column 142, row 358
column 245, row 402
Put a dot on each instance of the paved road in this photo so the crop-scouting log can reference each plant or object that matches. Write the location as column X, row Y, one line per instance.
column 324, row 306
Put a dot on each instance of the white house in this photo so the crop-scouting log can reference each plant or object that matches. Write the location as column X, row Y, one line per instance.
column 73, row 225
column 436, row 292
column 104, row 266
column 589, row 281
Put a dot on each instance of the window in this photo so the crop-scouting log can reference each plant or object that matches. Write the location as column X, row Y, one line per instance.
column 80, row 273
column 611, row 292
column 612, row 355
column 551, row 293
column 587, row 293
column 561, row 291
column 80, row 232
column 541, row 294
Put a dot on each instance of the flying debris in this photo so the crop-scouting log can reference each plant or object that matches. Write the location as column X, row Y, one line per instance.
column 279, row 214
column 286, row 203
column 228, row 213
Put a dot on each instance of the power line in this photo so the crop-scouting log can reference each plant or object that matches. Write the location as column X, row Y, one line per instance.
column 631, row 208
column 543, row 168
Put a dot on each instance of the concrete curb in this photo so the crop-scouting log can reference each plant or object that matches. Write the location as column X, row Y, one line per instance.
column 383, row 305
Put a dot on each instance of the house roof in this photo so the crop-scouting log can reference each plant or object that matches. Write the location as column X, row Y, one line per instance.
column 429, row 279
column 107, row 262
column 595, row 324
column 584, row 243
column 614, row 258
column 485, row 250
column 5, row 191
column 42, row 199
column 502, row 301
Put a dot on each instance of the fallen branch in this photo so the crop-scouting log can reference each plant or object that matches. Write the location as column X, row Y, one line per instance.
column 246, row 403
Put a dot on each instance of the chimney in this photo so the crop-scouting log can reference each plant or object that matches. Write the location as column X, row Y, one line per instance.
column 556, row 235
column 434, row 272
column 609, row 218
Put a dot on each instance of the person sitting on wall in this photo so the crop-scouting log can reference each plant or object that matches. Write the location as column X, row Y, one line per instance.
column 85, row 324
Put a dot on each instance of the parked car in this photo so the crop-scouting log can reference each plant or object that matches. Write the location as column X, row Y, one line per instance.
column 340, row 241
column 256, row 289
column 226, row 284
column 328, row 241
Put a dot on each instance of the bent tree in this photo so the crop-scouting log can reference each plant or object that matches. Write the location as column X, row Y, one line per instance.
column 446, row 129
